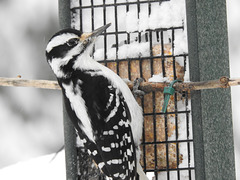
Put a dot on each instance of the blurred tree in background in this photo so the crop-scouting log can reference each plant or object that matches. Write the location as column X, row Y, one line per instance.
column 30, row 119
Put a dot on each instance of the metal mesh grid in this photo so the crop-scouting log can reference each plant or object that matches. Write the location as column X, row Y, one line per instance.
column 167, row 142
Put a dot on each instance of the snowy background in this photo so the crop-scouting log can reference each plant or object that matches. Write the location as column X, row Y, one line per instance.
column 31, row 119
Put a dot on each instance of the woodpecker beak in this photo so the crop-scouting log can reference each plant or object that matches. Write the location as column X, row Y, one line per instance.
column 94, row 34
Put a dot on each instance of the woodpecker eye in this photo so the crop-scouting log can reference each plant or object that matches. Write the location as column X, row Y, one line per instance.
column 72, row 42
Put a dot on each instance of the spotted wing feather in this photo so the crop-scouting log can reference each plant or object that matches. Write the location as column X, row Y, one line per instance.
column 113, row 149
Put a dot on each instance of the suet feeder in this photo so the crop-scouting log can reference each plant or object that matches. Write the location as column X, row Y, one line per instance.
column 141, row 43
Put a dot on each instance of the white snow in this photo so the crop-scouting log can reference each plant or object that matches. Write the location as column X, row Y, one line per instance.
column 132, row 19
column 41, row 168
column 168, row 14
column 180, row 41
column 158, row 78
column 132, row 50
column 74, row 3
column 30, row 119
column 143, row 18
column 164, row 15
column 174, row 175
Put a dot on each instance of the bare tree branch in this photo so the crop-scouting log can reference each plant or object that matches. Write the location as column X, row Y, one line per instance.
column 45, row 84
column 147, row 87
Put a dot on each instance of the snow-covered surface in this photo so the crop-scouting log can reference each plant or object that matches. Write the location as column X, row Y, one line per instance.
column 165, row 15
column 41, row 168
column 30, row 119
column 132, row 50
column 158, row 78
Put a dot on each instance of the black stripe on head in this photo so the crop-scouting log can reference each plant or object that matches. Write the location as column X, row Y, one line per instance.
column 58, row 51
column 61, row 50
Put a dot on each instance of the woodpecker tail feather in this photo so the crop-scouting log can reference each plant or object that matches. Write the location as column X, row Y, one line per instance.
column 141, row 174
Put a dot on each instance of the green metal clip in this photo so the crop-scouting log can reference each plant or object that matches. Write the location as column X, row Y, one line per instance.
column 168, row 91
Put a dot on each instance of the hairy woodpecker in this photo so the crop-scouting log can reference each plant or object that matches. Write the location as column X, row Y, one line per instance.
column 102, row 108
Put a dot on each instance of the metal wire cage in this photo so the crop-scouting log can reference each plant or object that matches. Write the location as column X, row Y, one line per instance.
column 148, row 39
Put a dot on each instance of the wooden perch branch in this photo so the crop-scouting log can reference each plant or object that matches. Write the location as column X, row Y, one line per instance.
column 223, row 82
column 45, row 84
column 147, row 87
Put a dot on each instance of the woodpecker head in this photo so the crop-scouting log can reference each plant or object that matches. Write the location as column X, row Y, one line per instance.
column 67, row 44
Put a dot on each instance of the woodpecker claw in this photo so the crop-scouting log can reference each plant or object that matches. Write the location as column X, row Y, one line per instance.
column 136, row 91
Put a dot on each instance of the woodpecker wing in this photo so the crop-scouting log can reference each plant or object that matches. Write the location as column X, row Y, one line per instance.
column 111, row 145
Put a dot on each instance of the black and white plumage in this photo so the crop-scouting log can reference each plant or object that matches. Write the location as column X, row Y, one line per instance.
column 99, row 103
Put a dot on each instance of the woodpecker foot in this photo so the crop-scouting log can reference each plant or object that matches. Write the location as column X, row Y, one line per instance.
column 136, row 91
